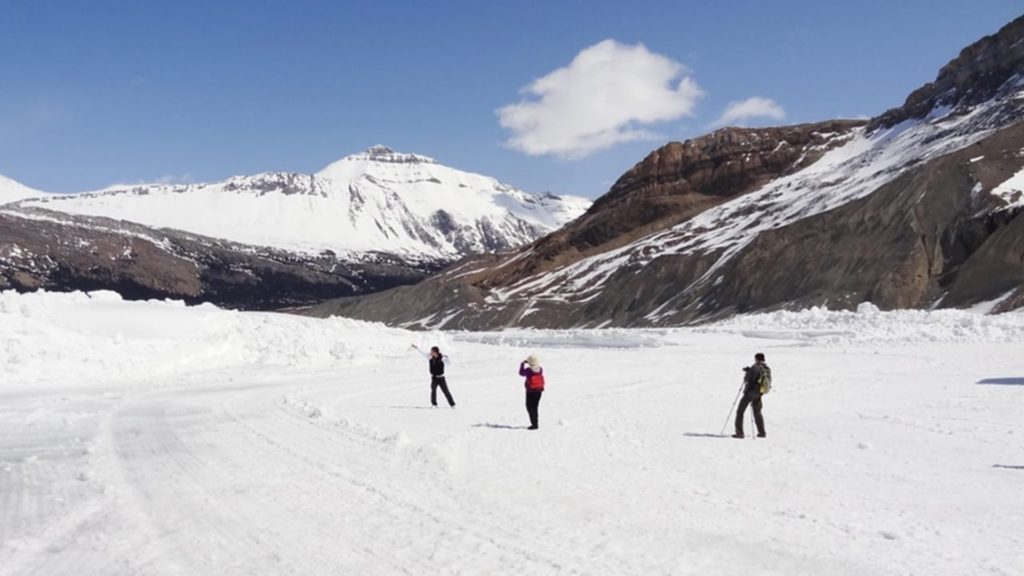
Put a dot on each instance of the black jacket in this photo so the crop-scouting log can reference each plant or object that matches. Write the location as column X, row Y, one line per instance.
column 752, row 376
column 436, row 366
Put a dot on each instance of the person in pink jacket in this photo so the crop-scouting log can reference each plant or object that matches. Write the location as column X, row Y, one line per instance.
column 534, row 374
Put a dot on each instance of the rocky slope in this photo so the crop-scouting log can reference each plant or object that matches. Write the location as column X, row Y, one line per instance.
column 41, row 249
column 919, row 207
column 675, row 183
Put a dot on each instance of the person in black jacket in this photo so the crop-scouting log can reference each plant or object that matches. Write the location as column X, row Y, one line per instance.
column 437, row 379
column 752, row 396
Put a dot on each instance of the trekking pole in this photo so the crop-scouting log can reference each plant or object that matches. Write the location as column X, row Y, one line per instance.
column 737, row 399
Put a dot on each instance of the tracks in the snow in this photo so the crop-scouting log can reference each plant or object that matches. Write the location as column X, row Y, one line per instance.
column 235, row 482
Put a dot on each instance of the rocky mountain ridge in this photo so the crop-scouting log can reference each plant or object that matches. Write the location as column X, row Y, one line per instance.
column 676, row 182
column 987, row 69
column 42, row 249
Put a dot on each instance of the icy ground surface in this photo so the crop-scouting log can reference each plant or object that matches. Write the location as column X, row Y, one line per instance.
column 150, row 438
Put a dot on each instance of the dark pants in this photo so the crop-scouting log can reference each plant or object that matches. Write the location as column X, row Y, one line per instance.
column 752, row 399
column 532, row 403
column 439, row 382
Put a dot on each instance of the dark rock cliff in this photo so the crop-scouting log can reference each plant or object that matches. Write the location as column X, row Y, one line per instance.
column 40, row 249
column 676, row 182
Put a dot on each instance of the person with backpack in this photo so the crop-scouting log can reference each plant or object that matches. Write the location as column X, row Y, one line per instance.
column 534, row 374
column 437, row 362
column 756, row 382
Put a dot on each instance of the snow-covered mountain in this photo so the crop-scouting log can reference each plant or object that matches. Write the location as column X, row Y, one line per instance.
column 920, row 207
column 365, row 223
column 13, row 191
column 378, row 201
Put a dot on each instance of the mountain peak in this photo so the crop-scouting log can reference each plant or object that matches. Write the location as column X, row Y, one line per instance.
column 378, row 150
column 375, row 158
column 381, row 153
column 989, row 68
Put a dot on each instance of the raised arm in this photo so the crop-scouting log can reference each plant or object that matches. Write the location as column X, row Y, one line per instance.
column 524, row 370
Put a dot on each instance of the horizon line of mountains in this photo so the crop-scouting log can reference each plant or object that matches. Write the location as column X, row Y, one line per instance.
column 918, row 207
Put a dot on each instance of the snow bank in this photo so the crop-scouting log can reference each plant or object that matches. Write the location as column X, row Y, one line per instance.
column 869, row 325
column 55, row 338
column 820, row 326
column 70, row 339
column 589, row 338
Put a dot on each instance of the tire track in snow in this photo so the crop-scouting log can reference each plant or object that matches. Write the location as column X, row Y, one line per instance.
column 185, row 494
column 47, row 494
column 376, row 453
column 240, row 463
column 12, row 487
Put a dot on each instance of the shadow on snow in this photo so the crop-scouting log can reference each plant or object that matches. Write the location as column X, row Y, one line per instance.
column 1002, row 381
column 498, row 426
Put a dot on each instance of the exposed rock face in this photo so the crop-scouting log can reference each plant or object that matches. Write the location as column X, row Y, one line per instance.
column 40, row 249
column 920, row 239
column 901, row 211
column 676, row 182
column 987, row 69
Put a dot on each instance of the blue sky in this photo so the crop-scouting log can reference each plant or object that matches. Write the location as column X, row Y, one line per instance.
column 102, row 92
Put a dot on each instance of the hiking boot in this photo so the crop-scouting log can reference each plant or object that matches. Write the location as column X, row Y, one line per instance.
column 737, row 435
column 533, row 427
column 761, row 435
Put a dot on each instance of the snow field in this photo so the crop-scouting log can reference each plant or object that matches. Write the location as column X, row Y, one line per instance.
column 214, row 442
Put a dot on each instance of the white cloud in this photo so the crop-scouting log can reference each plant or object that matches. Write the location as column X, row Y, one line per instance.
column 162, row 180
column 174, row 179
column 603, row 97
column 738, row 113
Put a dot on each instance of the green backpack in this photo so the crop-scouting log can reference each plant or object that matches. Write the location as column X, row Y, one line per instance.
column 764, row 380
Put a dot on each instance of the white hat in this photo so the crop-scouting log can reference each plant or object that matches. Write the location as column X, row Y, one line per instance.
column 533, row 361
